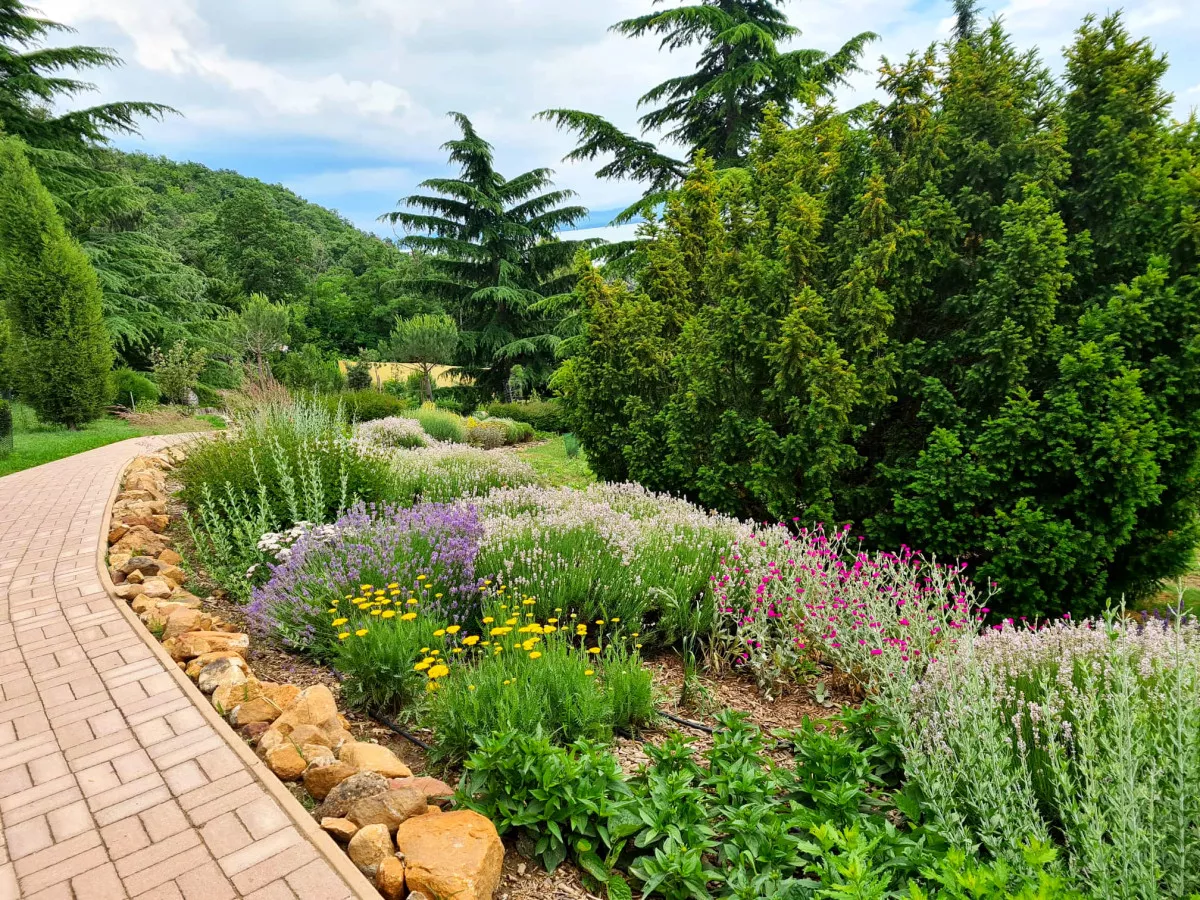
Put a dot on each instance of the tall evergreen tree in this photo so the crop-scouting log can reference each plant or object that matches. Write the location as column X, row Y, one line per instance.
column 148, row 291
column 969, row 323
column 494, row 257
column 62, row 354
column 717, row 109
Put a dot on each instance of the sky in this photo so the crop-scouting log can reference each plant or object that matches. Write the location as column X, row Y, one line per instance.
column 345, row 101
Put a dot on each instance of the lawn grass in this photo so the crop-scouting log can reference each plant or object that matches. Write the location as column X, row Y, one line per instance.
column 35, row 443
column 549, row 459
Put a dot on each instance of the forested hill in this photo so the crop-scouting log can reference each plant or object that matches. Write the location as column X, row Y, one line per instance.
column 185, row 194
column 242, row 236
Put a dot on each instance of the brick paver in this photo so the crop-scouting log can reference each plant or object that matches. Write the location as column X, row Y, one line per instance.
column 112, row 785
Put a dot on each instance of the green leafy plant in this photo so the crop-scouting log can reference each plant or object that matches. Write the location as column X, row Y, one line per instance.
column 177, row 371
column 132, row 389
column 441, row 424
column 428, row 340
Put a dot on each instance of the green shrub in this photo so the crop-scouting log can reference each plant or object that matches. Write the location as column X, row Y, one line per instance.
column 219, row 374
column 61, row 354
column 516, row 432
column 358, row 376
column 6, row 428
column 392, row 433
column 488, row 434
column 367, row 405
column 131, row 389
column 308, row 369
column 561, row 797
column 571, row 446
column 543, row 415
column 451, row 472
column 177, row 371
column 295, row 460
column 207, row 396
column 442, row 425
column 947, row 357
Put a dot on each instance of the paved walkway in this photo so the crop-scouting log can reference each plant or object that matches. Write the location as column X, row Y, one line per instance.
column 112, row 784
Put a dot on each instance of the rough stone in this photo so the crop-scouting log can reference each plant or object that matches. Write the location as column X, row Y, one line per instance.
column 369, row 847
column 220, row 672
column 457, row 854
column 340, row 829
column 183, row 619
column 432, row 810
column 313, row 706
column 147, row 565
column 135, row 577
column 196, row 643
column 150, row 481
column 339, row 800
column 389, row 879
column 157, row 524
column 159, row 615
column 263, row 703
column 129, row 591
column 158, row 588
column 141, row 539
column 286, row 762
column 323, row 775
column 434, row 789
column 117, row 532
column 173, row 573
column 390, row 808
column 196, row 665
column 417, row 895
column 374, row 758
column 170, row 558
column 145, row 507
column 136, row 496
column 253, row 731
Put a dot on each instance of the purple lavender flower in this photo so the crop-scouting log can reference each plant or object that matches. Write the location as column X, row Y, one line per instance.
column 428, row 552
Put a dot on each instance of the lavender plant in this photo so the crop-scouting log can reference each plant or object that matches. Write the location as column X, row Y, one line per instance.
column 376, row 559
column 611, row 551
column 392, row 433
column 442, row 473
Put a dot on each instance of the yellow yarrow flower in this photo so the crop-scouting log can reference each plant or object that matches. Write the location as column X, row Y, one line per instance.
column 412, row 601
column 535, row 655
column 439, row 671
column 528, row 602
column 453, row 629
column 366, row 587
column 361, row 632
column 374, row 612
column 441, row 632
column 393, row 586
column 408, row 616
column 593, row 650
column 488, row 620
column 552, row 621
column 343, row 635
column 388, row 613
column 424, row 664
column 471, row 640
column 421, row 577
column 589, row 672
column 337, row 622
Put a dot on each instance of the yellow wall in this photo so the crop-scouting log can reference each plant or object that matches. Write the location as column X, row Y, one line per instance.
column 381, row 372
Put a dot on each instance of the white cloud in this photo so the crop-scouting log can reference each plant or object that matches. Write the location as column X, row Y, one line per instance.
column 365, row 83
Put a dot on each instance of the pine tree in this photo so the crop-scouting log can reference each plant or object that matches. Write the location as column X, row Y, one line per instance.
column 62, row 352
column 494, row 257
column 718, row 108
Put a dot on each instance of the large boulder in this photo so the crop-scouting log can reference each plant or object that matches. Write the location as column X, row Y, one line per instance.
column 323, row 775
column 374, row 758
column 339, row 800
column 170, row 558
column 197, row 643
column 457, row 854
column 313, row 706
column 369, row 847
column 391, row 808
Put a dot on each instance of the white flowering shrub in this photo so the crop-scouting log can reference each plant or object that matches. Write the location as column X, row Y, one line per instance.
column 441, row 473
column 392, row 433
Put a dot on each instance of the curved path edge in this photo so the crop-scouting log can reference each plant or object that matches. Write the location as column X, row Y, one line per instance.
column 117, row 777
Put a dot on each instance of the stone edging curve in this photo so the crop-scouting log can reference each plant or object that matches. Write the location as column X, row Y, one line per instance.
column 325, row 845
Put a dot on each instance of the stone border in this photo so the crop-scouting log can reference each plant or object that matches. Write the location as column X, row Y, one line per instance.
column 334, row 855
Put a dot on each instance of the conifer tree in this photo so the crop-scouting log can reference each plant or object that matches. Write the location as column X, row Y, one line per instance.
column 968, row 322
column 494, row 258
column 61, row 354
column 718, row 108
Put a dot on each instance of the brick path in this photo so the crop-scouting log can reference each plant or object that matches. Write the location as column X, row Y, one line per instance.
column 112, row 784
